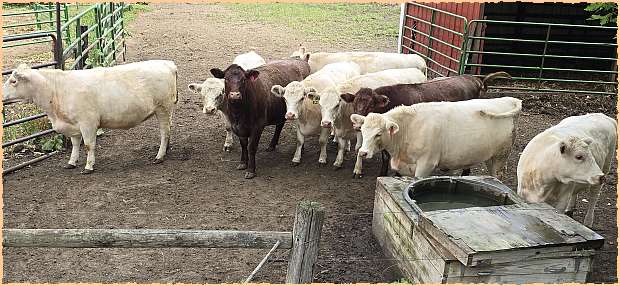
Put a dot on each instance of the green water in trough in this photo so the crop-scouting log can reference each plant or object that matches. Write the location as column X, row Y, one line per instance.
column 446, row 194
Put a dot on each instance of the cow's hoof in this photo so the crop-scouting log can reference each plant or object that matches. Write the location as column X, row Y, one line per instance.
column 358, row 176
column 227, row 149
column 295, row 164
column 242, row 166
column 250, row 175
column 158, row 161
column 87, row 171
column 69, row 166
column 270, row 148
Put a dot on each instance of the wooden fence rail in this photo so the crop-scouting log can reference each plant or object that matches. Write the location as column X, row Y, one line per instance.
column 303, row 240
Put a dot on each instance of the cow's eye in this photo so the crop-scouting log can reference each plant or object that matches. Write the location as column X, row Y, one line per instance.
column 378, row 135
column 579, row 157
column 12, row 81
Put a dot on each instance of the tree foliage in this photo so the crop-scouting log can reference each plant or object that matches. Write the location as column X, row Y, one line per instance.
column 604, row 12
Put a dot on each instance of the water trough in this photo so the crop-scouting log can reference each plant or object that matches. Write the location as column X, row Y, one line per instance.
column 477, row 230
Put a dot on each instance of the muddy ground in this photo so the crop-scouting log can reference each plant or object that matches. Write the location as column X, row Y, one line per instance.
column 199, row 188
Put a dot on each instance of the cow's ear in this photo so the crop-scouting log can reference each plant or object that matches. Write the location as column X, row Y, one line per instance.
column 252, row 74
column 392, row 127
column 357, row 119
column 195, row 87
column 382, row 100
column 588, row 140
column 562, row 147
column 309, row 92
column 277, row 90
column 306, row 57
column 218, row 73
column 348, row 97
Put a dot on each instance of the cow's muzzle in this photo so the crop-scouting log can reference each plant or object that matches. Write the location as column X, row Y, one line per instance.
column 234, row 95
column 326, row 124
column 208, row 110
column 290, row 116
column 598, row 180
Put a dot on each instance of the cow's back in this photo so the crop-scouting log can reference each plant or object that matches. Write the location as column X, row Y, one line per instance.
column 280, row 72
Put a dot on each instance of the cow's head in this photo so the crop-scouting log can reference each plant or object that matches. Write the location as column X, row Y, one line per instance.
column 235, row 80
column 376, row 129
column 212, row 91
column 18, row 87
column 294, row 95
column 330, row 103
column 365, row 101
column 577, row 163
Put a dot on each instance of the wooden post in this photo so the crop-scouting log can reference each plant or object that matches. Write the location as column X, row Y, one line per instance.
column 306, row 237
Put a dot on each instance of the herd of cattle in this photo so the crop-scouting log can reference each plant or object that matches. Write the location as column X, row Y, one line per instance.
column 382, row 100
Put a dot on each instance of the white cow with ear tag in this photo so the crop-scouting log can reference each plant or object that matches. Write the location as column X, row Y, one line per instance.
column 566, row 159
column 212, row 90
column 302, row 103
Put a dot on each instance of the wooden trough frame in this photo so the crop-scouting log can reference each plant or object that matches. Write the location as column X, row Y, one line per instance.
column 517, row 243
column 303, row 240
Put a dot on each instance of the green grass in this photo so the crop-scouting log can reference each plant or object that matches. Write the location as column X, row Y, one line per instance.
column 328, row 22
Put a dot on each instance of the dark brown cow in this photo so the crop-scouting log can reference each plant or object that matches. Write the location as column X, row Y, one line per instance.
column 250, row 107
column 381, row 100
column 454, row 88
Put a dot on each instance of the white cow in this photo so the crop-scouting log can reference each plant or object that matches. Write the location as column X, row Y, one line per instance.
column 301, row 107
column 566, row 159
column 81, row 101
column 335, row 112
column 443, row 135
column 212, row 91
column 368, row 61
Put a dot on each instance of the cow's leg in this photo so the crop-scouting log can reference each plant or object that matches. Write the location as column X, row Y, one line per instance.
column 385, row 163
column 300, row 144
column 358, row 142
column 594, row 194
column 358, row 169
column 424, row 168
column 89, row 133
column 275, row 138
column 252, row 147
column 228, row 142
column 75, row 152
column 323, row 138
column 165, row 120
column 342, row 144
column 243, row 141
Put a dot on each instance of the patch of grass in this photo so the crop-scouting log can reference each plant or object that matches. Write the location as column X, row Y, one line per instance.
column 331, row 23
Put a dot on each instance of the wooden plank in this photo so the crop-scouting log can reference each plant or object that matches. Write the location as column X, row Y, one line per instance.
column 579, row 277
column 530, row 254
column 535, row 266
column 143, row 238
column 306, row 237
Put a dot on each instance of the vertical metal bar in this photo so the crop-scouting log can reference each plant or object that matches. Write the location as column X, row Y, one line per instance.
column 50, row 14
column 98, row 33
column 430, row 34
column 403, row 10
column 542, row 62
column 60, row 61
column 113, row 33
column 36, row 15
column 463, row 58
column 78, row 47
column 66, row 12
column 123, row 29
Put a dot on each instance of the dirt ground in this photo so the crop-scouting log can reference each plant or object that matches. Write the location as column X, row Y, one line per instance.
column 197, row 187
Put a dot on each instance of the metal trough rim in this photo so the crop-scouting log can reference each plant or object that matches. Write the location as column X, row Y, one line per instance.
column 473, row 180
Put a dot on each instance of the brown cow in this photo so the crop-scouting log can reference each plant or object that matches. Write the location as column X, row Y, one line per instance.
column 249, row 105
column 383, row 99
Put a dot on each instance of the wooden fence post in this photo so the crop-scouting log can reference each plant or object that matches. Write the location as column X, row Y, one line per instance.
column 306, row 237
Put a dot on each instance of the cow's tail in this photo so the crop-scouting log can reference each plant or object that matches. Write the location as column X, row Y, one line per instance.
column 511, row 113
column 176, row 80
column 493, row 76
